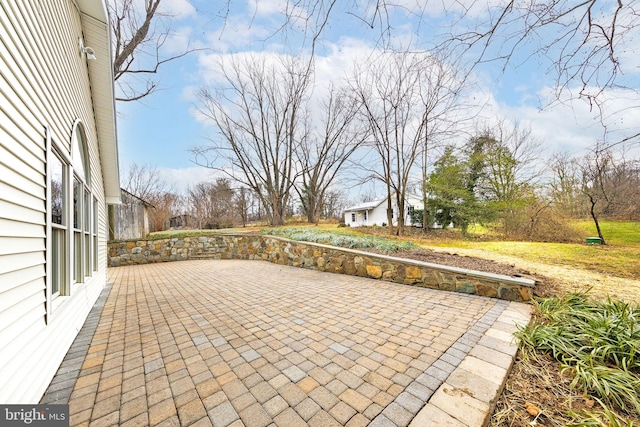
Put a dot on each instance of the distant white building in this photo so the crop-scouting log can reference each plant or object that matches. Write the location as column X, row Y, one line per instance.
column 375, row 213
column 58, row 172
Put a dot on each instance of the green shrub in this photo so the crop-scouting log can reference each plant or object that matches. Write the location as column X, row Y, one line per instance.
column 597, row 343
column 342, row 239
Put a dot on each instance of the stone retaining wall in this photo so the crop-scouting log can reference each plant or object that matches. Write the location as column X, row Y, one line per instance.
column 324, row 258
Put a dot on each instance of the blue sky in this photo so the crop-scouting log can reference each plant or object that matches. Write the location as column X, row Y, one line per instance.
column 161, row 129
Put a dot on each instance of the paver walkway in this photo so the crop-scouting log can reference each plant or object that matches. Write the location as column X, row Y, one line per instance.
column 251, row 343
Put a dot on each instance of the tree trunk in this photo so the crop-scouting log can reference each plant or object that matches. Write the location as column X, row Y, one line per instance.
column 595, row 219
column 313, row 209
column 425, row 213
column 400, row 204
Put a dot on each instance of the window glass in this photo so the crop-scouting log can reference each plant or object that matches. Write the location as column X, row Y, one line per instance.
column 77, row 194
column 83, row 242
column 87, row 232
column 58, row 241
column 79, row 154
column 57, row 190
column 87, row 210
column 58, row 251
column 95, row 234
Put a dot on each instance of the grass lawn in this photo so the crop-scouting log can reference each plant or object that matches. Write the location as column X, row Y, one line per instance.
column 618, row 261
column 616, row 233
column 619, row 258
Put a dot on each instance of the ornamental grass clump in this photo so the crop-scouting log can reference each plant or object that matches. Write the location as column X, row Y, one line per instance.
column 597, row 343
column 342, row 239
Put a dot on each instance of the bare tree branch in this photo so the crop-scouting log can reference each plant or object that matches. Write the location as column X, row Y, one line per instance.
column 139, row 35
column 259, row 117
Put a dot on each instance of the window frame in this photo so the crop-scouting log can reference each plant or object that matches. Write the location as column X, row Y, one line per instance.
column 54, row 299
column 94, row 234
column 87, row 212
column 81, row 244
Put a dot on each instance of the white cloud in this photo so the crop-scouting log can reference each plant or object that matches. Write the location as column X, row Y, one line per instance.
column 178, row 9
column 178, row 42
column 180, row 179
column 575, row 126
column 277, row 9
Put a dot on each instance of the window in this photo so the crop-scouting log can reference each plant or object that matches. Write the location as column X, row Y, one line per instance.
column 83, row 203
column 353, row 217
column 365, row 215
column 410, row 210
column 95, row 234
column 72, row 217
column 77, row 229
column 58, row 219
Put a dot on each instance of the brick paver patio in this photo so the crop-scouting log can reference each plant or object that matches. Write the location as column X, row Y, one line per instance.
column 251, row 343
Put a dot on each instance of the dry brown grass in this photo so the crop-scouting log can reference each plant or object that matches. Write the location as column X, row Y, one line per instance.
column 535, row 383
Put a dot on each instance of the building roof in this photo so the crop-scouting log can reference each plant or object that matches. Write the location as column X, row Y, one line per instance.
column 144, row 202
column 374, row 204
column 97, row 35
column 366, row 206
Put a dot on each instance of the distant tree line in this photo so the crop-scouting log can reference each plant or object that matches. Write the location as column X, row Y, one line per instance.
column 212, row 204
column 498, row 179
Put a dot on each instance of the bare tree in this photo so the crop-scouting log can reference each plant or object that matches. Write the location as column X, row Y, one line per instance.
column 596, row 185
column 585, row 44
column 140, row 30
column 565, row 186
column 610, row 184
column 511, row 155
column 213, row 204
column 584, row 36
column 441, row 93
column 334, row 204
column 145, row 182
column 259, row 118
column 404, row 104
column 325, row 149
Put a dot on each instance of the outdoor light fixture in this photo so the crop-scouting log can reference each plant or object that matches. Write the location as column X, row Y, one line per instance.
column 91, row 54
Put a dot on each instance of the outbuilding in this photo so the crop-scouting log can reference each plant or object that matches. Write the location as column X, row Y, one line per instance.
column 375, row 212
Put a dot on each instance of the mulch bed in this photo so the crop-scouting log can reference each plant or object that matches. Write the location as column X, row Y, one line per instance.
column 544, row 287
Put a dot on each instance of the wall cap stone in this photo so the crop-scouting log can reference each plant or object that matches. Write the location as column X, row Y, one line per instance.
column 521, row 281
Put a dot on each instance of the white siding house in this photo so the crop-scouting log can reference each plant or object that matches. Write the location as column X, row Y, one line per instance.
column 375, row 213
column 58, row 171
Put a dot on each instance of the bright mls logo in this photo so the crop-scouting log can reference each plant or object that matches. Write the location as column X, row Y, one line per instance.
column 34, row 415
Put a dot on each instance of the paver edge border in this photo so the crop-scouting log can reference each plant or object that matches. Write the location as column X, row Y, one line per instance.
column 515, row 315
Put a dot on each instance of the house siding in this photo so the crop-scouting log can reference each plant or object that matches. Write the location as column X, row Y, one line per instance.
column 377, row 215
column 44, row 84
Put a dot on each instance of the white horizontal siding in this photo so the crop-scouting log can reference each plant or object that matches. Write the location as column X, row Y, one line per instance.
column 18, row 245
column 31, row 302
column 43, row 350
column 15, row 263
column 23, row 193
column 44, row 84
column 8, row 294
column 20, row 228
column 18, row 212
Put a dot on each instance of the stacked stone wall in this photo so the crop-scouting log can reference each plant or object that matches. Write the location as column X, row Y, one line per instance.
column 323, row 258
